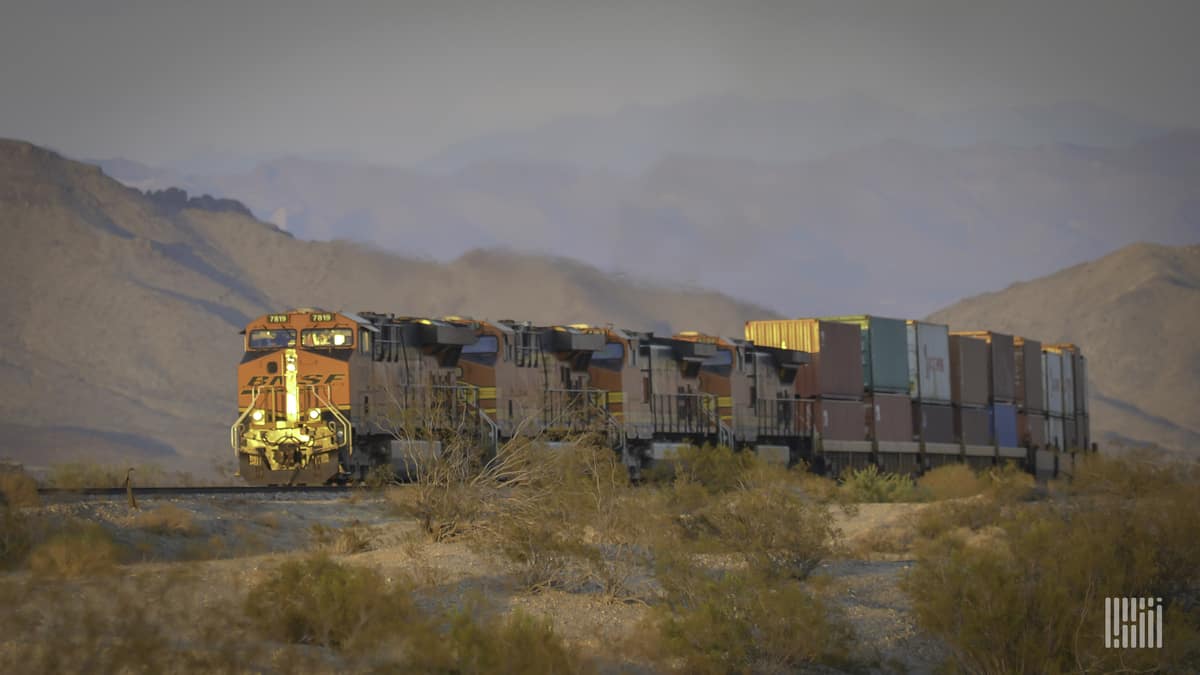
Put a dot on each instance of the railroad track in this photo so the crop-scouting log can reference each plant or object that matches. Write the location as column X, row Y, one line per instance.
column 196, row 490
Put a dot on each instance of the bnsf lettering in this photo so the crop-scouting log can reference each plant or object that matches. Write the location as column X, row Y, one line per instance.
column 307, row 379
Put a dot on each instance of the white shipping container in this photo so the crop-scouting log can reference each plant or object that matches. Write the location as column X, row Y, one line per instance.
column 929, row 361
column 1054, row 432
column 1052, row 371
column 1068, row 383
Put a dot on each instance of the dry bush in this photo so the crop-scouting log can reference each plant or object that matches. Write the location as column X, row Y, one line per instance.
column 715, row 468
column 317, row 601
column 741, row 622
column 346, row 540
column 16, row 537
column 518, row 643
column 778, row 532
column 80, row 549
column 952, row 481
column 1010, row 483
column 871, row 486
column 17, row 488
column 1027, row 595
column 269, row 519
column 167, row 519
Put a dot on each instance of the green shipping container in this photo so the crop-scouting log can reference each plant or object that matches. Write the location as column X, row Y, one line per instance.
column 884, row 351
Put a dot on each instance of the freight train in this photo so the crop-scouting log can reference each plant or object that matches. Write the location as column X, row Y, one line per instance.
column 329, row 396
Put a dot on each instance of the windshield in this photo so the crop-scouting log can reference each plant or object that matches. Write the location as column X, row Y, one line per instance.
column 483, row 351
column 272, row 338
column 611, row 357
column 327, row 337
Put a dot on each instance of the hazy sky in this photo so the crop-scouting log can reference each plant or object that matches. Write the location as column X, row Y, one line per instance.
column 394, row 82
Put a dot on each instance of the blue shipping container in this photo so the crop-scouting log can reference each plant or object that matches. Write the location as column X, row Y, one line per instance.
column 1003, row 425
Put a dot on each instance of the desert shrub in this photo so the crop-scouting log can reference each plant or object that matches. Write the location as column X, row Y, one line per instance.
column 1027, row 594
column 972, row 513
column 346, row 540
column 16, row 537
column 951, row 481
column 167, row 519
column 869, row 485
column 80, row 549
column 777, row 531
column 475, row 644
column 715, row 468
column 17, row 488
column 1009, row 483
column 741, row 622
column 318, row 601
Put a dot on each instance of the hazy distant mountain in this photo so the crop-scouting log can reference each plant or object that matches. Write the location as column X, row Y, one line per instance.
column 894, row 228
column 1136, row 315
column 123, row 309
column 632, row 139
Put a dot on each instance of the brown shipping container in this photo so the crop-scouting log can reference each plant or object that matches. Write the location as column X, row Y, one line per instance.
column 836, row 349
column 935, row 421
column 1002, row 384
column 838, row 420
column 968, row 371
column 971, row 426
column 1031, row 429
column 1029, row 381
column 890, row 417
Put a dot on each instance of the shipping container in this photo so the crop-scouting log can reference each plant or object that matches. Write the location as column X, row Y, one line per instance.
column 1030, row 388
column 968, row 371
column 835, row 369
column 1054, row 431
column 1031, row 429
column 883, row 345
column 971, row 426
column 933, row 423
column 1068, row 383
column 839, row 420
column 1004, row 425
column 928, row 361
column 1052, row 370
column 1001, row 372
column 890, row 417
column 1081, row 399
column 1084, row 431
column 1070, row 434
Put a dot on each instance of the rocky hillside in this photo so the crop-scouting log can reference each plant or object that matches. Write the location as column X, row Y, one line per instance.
column 123, row 309
column 1136, row 314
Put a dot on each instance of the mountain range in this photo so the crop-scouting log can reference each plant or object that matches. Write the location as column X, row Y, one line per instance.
column 887, row 226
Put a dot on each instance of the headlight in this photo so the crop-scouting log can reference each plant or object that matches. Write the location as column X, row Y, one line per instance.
column 314, row 414
column 257, row 415
column 289, row 363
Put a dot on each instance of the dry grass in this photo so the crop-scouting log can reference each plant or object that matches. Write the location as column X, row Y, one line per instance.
column 167, row 519
column 952, row 481
column 81, row 549
column 346, row 540
column 17, row 488
column 1018, row 587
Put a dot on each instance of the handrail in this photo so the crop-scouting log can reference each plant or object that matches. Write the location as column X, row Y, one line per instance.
column 349, row 440
column 234, row 435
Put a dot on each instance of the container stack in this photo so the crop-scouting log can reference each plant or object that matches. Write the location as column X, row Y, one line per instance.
column 883, row 347
column 970, row 394
column 1031, row 405
column 1076, row 431
column 1052, row 367
column 929, row 388
column 831, row 386
column 1002, row 395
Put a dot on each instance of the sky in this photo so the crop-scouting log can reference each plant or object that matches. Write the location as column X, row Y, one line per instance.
column 395, row 82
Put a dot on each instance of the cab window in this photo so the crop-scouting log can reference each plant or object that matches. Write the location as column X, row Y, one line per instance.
column 272, row 338
column 483, row 351
column 327, row 338
column 719, row 363
column 611, row 357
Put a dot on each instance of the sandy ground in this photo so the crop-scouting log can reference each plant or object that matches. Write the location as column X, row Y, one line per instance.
column 233, row 540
